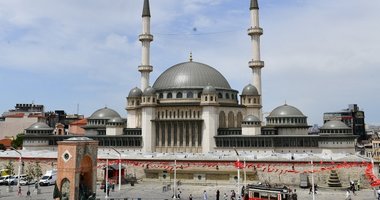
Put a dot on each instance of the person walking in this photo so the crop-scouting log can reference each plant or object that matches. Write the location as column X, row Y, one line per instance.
column 190, row 197
column 348, row 195
column 217, row 194
column 205, row 197
column 225, row 196
column 19, row 191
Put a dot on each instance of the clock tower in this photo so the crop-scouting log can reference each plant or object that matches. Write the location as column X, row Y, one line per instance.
column 77, row 161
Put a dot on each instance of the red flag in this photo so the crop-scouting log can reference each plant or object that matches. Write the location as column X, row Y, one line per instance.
column 239, row 165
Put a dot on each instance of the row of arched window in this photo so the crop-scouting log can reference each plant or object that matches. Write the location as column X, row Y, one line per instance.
column 178, row 114
column 190, row 95
column 286, row 120
column 341, row 131
column 231, row 121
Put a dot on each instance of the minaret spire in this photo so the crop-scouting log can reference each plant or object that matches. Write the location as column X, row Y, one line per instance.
column 254, row 5
column 146, row 10
column 145, row 68
column 255, row 32
column 256, row 64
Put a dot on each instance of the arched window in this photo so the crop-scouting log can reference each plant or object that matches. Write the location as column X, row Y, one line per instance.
column 199, row 94
column 227, row 96
column 231, row 120
column 161, row 96
column 169, row 96
column 190, row 95
column 222, row 120
column 239, row 119
column 254, row 100
column 220, row 95
column 205, row 98
column 211, row 98
column 179, row 95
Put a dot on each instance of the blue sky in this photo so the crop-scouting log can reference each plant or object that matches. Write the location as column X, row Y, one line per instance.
column 319, row 56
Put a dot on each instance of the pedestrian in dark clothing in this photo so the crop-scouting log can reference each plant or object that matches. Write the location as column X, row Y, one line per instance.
column 217, row 194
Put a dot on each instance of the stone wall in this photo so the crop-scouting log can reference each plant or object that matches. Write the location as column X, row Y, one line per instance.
column 278, row 173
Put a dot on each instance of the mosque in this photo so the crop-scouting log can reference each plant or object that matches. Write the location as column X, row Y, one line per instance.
column 192, row 108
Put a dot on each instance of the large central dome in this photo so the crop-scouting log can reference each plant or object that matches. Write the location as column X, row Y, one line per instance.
column 191, row 75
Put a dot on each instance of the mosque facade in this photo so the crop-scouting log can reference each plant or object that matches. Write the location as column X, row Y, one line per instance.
column 192, row 108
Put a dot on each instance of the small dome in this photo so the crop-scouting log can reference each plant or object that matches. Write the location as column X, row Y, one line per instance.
column 250, row 90
column 335, row 124
column 104, row 113
column 209, row 90
column 149, row 91
column 39, row 126
column 135, row 92
column 251, row 118
column 116, row 120
column 286, row 111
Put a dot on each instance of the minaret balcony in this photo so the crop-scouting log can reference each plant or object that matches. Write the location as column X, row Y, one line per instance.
column 146, row 37
column 255, row 31
column 256, row 64
column 145, row 68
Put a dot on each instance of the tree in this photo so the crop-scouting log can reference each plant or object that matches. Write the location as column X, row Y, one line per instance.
column 37, row 172
column 9, row 166
column 30, row 172
column 2, row 147
column 16, row 143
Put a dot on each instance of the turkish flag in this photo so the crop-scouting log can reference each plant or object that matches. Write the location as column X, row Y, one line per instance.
column 239, row 165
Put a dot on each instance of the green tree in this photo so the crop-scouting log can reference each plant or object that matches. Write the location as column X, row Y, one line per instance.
column 10, row 167
column 2, row 147
column 37, row 172
column 16, row 143
column 30, row 172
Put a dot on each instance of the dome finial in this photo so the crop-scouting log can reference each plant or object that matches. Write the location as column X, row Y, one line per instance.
column 191, row 56
column 285, row 103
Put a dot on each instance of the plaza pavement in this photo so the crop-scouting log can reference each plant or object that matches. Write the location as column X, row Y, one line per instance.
column 154, row 190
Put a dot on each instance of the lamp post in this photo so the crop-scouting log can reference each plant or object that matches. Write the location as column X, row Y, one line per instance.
column 106, row 185
column 19, row 166
column 119, row 166
column 312, row 179
column 238, row 173
column 175, row 181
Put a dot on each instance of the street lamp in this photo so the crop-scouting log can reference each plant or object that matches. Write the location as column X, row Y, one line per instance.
column 106, row 185
column 119, row 166
column 312, row 179
column 175, row 181
column 238, row 173
column 19, row 166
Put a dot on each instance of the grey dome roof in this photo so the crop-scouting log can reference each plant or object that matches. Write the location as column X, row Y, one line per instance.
column 286, row 111
column 190, row 75
column 209, row 90
column 335, row 124
column 39, row 126
column 149, row 91
column 104, row 113
column 116, row 120
column 250, row 90
column 135, row 92
column 251, row 118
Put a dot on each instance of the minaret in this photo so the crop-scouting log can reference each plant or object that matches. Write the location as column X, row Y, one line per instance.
column 145, row 68
column 255, row 32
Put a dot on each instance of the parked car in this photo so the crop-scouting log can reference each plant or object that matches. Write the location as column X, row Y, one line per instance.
column 11, row 180
column 25, row 181
column 2, row 180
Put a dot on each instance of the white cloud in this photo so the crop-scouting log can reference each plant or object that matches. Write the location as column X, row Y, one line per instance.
column 319, row 55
